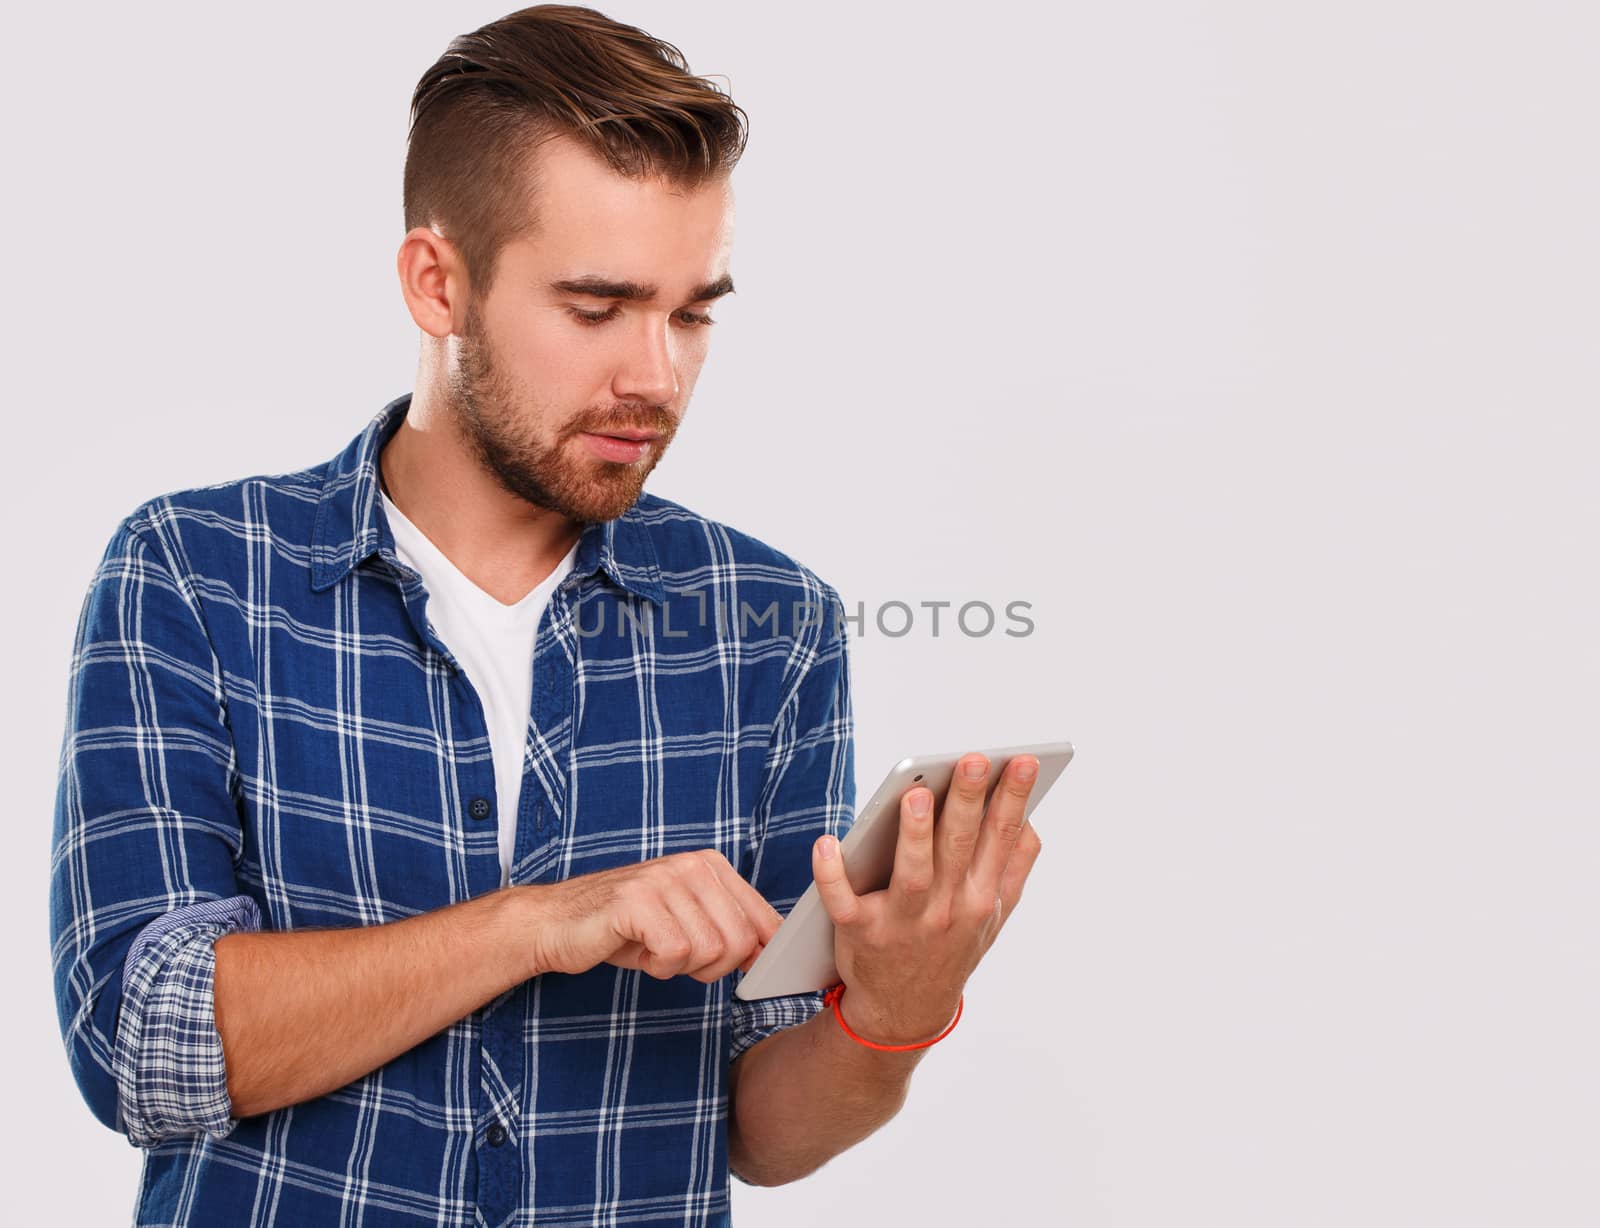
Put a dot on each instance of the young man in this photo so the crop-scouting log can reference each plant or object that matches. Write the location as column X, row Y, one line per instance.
column 419, row 811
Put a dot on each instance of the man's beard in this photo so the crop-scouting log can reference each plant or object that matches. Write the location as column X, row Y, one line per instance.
column 486, row 408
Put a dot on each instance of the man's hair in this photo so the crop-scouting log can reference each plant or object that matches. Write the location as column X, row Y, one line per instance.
column 555, row 69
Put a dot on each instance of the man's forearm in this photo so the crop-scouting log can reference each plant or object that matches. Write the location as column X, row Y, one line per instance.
column 807, row 1093
column 302, row 1012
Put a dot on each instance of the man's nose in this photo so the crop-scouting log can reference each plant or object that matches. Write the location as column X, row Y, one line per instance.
column 649, row 373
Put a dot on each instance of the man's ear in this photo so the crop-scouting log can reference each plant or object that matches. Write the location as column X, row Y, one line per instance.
column 433, row 281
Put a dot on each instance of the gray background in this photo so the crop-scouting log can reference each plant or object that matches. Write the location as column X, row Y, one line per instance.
column 1253, row 344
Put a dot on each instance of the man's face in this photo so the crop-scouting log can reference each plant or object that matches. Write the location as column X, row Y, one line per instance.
column 548, row 375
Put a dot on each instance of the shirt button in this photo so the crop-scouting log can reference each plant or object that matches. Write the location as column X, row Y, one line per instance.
column 478, row 808
column 497, row 1134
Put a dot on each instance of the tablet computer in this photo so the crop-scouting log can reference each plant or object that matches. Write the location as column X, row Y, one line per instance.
column 800, row 956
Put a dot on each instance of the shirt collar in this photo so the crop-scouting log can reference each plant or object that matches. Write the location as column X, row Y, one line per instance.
column 351, row 526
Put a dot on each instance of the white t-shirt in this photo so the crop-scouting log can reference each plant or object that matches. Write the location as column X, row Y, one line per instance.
column 494, row 643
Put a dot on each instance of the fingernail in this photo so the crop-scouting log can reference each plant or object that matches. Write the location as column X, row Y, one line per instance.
column 1026, row 769
column 974, row 769
column 828, row 845
column 919, row 802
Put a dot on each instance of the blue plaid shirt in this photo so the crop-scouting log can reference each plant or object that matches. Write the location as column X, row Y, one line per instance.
column 263, row 732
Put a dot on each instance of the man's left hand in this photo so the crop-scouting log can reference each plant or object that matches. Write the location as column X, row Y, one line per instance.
column 905, row 953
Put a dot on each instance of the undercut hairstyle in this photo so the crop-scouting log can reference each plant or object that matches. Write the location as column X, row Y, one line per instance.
column 478, row 115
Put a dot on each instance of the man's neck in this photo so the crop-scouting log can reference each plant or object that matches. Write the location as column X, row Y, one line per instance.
column 499, row 541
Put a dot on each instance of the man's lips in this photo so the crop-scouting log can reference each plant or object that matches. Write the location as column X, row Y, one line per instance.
column 624, row 448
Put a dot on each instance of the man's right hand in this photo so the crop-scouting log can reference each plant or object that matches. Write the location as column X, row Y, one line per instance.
column 302, row 1012
column 687, row 913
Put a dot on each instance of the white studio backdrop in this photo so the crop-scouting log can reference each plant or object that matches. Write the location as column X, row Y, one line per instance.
column 1252, row 345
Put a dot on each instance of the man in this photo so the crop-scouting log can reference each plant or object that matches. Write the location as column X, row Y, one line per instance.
column 419, row 811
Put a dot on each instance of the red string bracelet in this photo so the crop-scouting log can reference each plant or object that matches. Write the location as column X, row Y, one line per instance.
column 831, row 998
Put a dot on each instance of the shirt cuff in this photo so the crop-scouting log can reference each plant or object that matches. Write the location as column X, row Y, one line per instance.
column 168, row 1061
column 754, row 1021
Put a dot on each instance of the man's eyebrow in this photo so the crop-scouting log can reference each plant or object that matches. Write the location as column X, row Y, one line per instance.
column 633, row 291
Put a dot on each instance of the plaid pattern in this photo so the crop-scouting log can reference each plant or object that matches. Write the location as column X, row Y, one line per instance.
column 168, row 1056
column 263, row 731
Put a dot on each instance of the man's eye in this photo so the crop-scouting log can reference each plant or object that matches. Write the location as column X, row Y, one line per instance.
column 689, row 319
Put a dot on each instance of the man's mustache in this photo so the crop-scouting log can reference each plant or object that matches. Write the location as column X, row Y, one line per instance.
column 662, row 422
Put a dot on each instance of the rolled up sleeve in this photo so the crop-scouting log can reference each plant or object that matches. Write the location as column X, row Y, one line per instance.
column 147, row 833
column 171, row 1078
column 810, row 789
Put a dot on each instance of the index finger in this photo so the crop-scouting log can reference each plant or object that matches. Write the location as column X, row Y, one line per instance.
column 762, row 915
column 912, row 878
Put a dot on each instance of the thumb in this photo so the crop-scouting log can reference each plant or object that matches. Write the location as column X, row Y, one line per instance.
column 629, row 955
column 827, row 867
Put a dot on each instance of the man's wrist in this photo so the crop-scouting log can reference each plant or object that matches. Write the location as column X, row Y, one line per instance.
column 523, row 914
column 884, row 1023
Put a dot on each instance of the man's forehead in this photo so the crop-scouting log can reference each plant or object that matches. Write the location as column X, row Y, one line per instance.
column 577, row 181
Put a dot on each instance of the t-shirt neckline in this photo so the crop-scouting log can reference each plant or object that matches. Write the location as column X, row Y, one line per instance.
column 534, row 596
